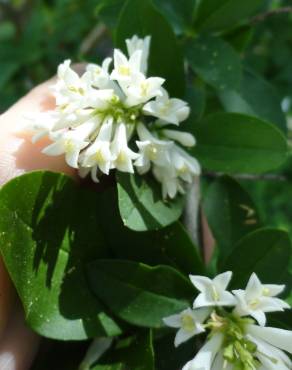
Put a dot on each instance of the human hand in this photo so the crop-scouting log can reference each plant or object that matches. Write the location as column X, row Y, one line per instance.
column 18, row 344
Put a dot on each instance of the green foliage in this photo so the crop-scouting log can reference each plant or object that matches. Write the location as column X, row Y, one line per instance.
column 141, row 205
column 140, row 294
column 221, row 14
column 50, row 248
column 115, row 261
column 225, row 143
column 238, row 215
column 266, row 252
column 135, row 353
column 215, row 62
column 256, row 97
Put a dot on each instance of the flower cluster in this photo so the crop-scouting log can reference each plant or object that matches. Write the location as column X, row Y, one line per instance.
column 238, row 338
column 120, row 120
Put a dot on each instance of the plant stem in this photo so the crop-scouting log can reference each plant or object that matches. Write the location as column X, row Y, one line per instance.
column 251, row 177
column 263, row 16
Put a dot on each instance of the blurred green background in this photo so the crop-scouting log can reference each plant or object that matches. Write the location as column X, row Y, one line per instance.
column 36, row 35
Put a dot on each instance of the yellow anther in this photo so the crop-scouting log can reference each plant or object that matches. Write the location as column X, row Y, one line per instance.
column 215, row 294
column 266, row 292
column 188, row 323
column 124, row 70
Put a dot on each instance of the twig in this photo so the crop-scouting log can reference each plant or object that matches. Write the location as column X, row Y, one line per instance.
column 246, row 176
column 92, row 38
column 263, row 16
column 191, row 213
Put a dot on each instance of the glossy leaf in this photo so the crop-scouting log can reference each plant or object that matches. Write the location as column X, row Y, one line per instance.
column 135, row 353
column 141, row 205
column 266, row 252
column 178, row 13
column 137, row 293
column 215, row 62
column 214, row 15
column 150, row 247
column 256, row 97
column 46, row 238
column 232, row 143
column 142, row 18
column 238, row 215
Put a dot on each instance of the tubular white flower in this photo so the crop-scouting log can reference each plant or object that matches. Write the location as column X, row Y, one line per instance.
column 270, row 356
column 122, row 155
column 143, row 89
column 168, row 110
column 171, row 184
column 213, row 292
column 257, row 299
column 41, row 124
column 189, row 322
column 184, row 138
column 126, row 70
column 70, row 88
column 151, row 149
column 276, row 337
column 100, row 77
column 136, row 43
column 71, row 143
column 186, row 166
column 98, row 155
column 205, row 357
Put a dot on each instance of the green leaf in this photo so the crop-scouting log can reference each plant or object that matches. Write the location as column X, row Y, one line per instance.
column 215, row 62
column 141, row 18
column 46, row 238
column 139, row 294
column 154, row 247
column 232, row 143
column 196, row 97
column 238, row 215
column 178, row 13
column 266, row 252
column 215, row 15
column 141, row 205
column 135, row 353
column 168, row 358
column 256, row 97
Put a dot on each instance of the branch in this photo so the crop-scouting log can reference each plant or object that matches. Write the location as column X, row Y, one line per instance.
column 265, row 177
column 263, row 16
column 92, row 38
column 191, row 213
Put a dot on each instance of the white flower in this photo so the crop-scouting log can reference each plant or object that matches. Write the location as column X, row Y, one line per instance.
column 168, row 110
column 184, row 138
column 257, row 299
column 205, row 357
column 189, row 322
column 134, row 44
column 171, row 184
column 126, row 70
column 41, row 124
column 99, row 113
column 70, row 88
column 98, row 155
column 122, row 154
column 143, row 89
column 100, row 77
column 271, row 344
column 213, row 292
column 71, row 143
column 186, row 166
column 151, row 149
